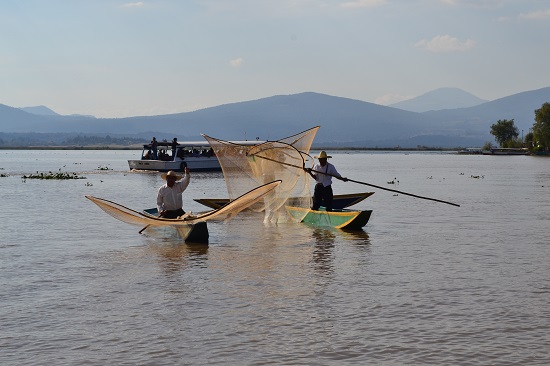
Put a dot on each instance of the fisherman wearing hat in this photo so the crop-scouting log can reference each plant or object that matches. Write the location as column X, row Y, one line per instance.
column 169, row 200
column 323, row 172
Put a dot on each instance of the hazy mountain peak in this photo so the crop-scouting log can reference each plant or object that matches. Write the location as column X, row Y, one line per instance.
column 40, row 110
column 438, row 99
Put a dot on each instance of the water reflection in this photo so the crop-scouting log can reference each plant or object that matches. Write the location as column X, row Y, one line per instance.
column 174, row 257
column 358, row 237
column 323, row 250
column 173, row 253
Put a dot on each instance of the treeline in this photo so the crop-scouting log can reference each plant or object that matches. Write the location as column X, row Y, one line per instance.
column 58, row 139
column 107, row 140
column 537, row 138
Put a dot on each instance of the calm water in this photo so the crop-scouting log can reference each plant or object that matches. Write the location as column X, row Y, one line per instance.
column 425, row 283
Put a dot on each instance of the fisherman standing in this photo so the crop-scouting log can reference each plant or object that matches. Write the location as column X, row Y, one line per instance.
column 169, row 198
column 323, row 172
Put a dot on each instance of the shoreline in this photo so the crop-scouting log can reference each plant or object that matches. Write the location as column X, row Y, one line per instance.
column 140, row 147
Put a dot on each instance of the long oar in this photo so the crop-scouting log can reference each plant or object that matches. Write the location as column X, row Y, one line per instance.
column 364, row 183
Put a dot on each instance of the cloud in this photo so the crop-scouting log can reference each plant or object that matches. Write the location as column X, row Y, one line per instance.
column 236, row 63
column 139, row 4
column 474, row 3
column 445, row 43
column 363, row 3
column 536, row 15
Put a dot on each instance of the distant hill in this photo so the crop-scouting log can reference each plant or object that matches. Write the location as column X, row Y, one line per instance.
column 10, row 117
column 438, row 99
column 343, row 121
column 39, row 110
column 519, row 107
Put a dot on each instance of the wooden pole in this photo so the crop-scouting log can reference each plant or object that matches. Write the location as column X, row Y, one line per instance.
column 364, row 183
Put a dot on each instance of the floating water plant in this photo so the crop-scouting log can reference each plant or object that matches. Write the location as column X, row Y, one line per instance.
column 50, row 175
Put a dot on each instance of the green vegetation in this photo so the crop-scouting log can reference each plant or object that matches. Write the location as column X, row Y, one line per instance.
column 58, row 176
column 529, row 140
column 537, row 140
column 541, row 128
column 66, row 140
column 107, row 140
column 506, row 133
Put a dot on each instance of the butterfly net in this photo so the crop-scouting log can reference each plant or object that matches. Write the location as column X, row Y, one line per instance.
column 130, row 216
column 247, row 166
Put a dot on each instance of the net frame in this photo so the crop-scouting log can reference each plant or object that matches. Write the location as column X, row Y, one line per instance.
column 244, row 166
column 226, row 212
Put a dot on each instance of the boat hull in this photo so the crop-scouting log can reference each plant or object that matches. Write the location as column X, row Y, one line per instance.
column 194, row 164
column 339, row 219
column 507, row 151
column 195, row 233
column 190, row 233
column 340, row 201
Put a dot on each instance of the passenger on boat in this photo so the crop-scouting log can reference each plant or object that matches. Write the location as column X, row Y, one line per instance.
column 164, row 156
column 174, row 146
column 323, row 172
column 154, row 147
column 169, row 198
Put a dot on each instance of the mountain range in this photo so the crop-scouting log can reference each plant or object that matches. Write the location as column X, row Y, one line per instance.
column 442, row 98
column 446, row 117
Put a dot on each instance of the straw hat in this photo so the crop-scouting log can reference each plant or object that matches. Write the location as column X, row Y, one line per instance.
column 323, row 155
column 171, row 173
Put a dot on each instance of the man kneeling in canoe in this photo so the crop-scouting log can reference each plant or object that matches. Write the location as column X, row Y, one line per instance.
column 323, row 172
column 169, row 200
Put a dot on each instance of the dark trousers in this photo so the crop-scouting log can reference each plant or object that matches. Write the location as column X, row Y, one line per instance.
column 173, row 214
column 322, row 196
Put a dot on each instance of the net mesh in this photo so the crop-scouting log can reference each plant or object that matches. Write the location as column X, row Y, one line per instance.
column 130, row 216
column 248, row 166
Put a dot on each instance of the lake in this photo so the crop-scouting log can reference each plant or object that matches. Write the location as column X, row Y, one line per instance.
column 424, row 283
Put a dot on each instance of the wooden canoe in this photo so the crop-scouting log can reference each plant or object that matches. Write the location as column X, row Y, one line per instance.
column 339, row 219
column 340, row 200
column 191, row 227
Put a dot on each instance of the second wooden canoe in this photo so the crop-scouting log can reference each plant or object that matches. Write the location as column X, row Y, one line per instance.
column 339, row 219
column 340, row 200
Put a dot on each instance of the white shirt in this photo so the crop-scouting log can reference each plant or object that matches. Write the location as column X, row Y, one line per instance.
column 326, row 180
column 169, row 198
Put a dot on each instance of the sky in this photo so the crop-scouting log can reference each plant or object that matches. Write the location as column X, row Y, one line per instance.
column 139, row 58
